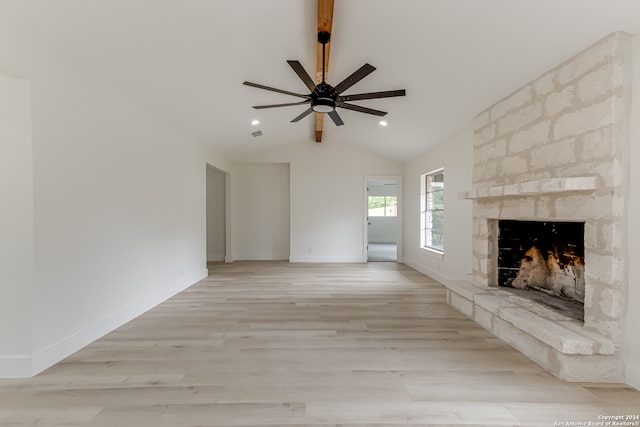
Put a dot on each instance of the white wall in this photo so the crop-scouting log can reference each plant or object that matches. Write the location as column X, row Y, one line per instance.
column 455, row 156
column 119, row 206
column 216, row 215
column 327, row 192
column 633, row 313
column 16, row 224
column 260, row 206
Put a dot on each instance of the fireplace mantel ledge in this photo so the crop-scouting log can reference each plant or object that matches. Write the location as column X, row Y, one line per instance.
column 560, row 332
column 535, row 187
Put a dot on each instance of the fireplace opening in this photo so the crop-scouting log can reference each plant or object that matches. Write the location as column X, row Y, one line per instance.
column 546, row 257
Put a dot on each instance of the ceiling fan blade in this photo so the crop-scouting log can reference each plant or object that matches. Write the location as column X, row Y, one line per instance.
column 354, row 78
column 303, row 115
column 272, row 89
column 361, row 109
column 260, row 107
column 373, row 95
column 302, row 73
column 336, row 118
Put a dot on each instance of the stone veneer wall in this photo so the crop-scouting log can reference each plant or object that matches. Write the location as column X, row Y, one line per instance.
column 557, row 150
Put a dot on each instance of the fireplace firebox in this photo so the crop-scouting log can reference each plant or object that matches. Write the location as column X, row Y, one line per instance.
column 543, row 256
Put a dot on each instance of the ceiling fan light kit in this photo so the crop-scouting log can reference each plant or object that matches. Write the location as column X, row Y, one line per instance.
column 325, row 98
column 323, row 105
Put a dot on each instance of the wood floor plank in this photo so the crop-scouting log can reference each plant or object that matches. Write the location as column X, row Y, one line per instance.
column 271, row 343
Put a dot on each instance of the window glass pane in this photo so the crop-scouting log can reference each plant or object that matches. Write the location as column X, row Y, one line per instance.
column 432, row 221
column 391, row 206
column 383, row 206
column 376, row 206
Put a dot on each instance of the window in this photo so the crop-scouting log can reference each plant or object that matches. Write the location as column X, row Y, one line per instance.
column 432, row 211
column 383, row 206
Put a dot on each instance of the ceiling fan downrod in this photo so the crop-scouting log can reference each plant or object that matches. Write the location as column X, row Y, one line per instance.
column 323, row 38
column 323, row 98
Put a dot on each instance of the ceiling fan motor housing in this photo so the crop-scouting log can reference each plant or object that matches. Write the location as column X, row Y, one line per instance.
column 323, row 98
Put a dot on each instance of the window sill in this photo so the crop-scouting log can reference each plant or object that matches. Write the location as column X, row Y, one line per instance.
column 433, row 253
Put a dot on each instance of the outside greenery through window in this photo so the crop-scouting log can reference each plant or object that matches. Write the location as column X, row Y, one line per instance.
column 432, row 211
column 383, row 206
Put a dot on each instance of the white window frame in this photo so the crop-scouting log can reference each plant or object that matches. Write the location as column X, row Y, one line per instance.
column 426, row 212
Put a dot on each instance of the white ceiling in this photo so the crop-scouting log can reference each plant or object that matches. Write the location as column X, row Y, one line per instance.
column 186, row 60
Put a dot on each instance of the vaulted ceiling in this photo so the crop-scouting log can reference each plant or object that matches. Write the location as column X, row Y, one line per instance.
column 186, row 60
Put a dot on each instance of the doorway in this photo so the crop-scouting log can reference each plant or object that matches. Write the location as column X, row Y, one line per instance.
column 383, row 219
column 216, row 215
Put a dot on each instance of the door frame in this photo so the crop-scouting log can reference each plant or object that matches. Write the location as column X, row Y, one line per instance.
column 365, row 220
column 227, row 209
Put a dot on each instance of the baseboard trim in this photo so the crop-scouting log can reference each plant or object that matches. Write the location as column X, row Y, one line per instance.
column 427, row 271
column 328, row 259
column 261, row 257
column 632, row 376
column 15, row 367
column 48, row 357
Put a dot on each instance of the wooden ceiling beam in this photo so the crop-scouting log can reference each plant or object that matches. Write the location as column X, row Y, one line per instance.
column 325, row 23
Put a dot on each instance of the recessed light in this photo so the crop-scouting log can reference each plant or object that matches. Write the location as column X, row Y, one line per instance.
column 255, row 122
column 382, row 123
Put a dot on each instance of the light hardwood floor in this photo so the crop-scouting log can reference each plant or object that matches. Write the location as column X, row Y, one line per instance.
column 279, row 344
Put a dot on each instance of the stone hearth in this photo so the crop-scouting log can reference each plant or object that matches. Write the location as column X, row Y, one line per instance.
column 556, row 150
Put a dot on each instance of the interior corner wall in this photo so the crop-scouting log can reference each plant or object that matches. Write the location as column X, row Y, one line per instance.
column 261, row 208
column 119, row 221
column 456, row 157
column 327, row 194
column 16, row 226
column 216, row 215
column 632, row 365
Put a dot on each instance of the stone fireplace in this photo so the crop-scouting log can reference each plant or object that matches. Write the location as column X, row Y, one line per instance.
column 555, row 152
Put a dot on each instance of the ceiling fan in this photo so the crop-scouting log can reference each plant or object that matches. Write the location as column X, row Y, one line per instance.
column 325, row 98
